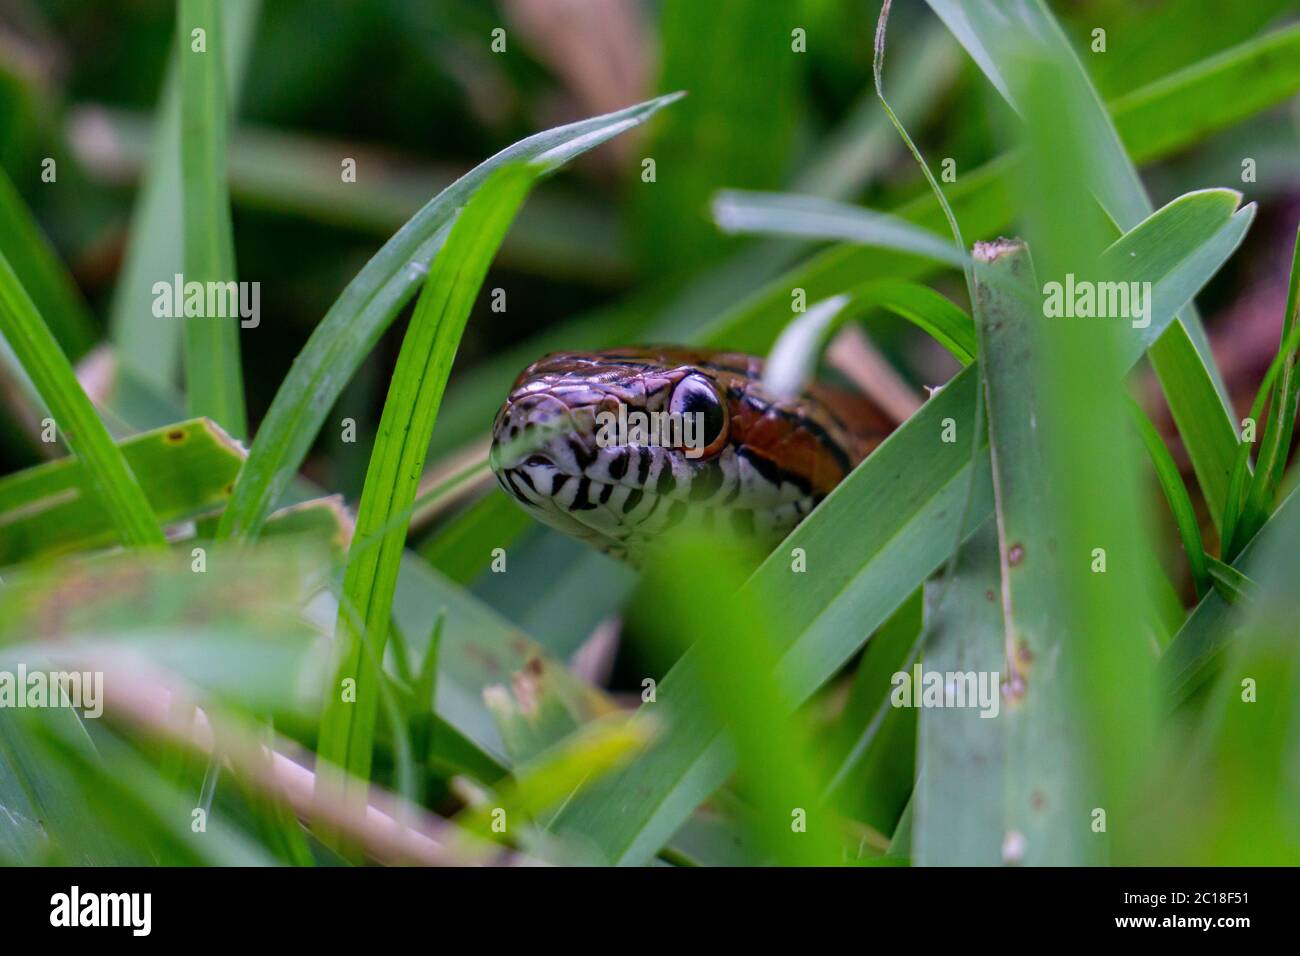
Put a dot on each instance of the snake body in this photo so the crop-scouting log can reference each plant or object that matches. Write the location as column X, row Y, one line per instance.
column 765, row 464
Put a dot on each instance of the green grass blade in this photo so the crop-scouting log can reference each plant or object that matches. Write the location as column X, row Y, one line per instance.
column 782, row 214
column 736, row 650
column 45, row 277
column 1198, row 648
column 156, row 242
column 794, row 357
column 1276, row 444
column 109, row 477
column 185, row 470
column 1219, row 91
column 1043, row 767
column 737, row 127
column 582, row 758
column 1231, row 583
column 392, row 481
column 1175, row 492
column 366, row 307
column 958, row 816
column 1235, row 535
column 461, row 551
column 214, row 383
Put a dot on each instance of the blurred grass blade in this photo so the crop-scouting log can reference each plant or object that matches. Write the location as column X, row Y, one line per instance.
column 366, row 307
column 292, row 173
column 1175, row 492
column 392, row 481
column 1197, row 649
column 727, row 689
column 185, row 470
column 214, row 383
column 109, row 477
column 780, row 214
column 460, row 550
column 794, row 357
column 1276, row 444
column 590, row 753
column 1084, row 565
column 737, row 127
column 1239, row 526
column 45, row 277
column 156, row 241
column 1219, row 91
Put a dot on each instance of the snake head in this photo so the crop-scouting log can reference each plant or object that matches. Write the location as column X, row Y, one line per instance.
column 617, row 447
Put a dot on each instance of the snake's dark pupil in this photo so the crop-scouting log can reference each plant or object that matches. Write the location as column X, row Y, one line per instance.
column 697, row 397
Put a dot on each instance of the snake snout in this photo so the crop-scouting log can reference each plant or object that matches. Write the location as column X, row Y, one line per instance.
column 523, row 427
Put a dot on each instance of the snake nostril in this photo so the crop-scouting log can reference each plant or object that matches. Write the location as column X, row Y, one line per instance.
column 538, row 460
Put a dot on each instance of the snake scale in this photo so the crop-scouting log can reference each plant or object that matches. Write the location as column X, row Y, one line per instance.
column 762, row 463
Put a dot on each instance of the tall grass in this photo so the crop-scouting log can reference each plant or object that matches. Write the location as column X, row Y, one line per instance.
column 423, row 676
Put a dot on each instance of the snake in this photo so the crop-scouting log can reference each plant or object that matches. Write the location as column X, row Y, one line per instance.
column 760, row 464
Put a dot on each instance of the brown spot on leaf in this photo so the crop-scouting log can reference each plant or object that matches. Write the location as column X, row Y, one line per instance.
column 1023, row 653
column 1015, row 554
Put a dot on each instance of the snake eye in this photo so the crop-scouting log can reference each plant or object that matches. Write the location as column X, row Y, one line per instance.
column 695, row 395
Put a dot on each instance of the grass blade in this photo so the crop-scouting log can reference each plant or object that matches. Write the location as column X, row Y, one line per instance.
column 214, row 383
column 781, row 214
column 46, row 278
column 108, row 476
column 392, row 481
column 1197, row 649
column 156, row 242
column 737, row 128
column 1276, row 446
column 1180, row 503
column 957, row 808
column 1043, row 766
column 794, row 357
column 366, row 307
column 185, row 470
